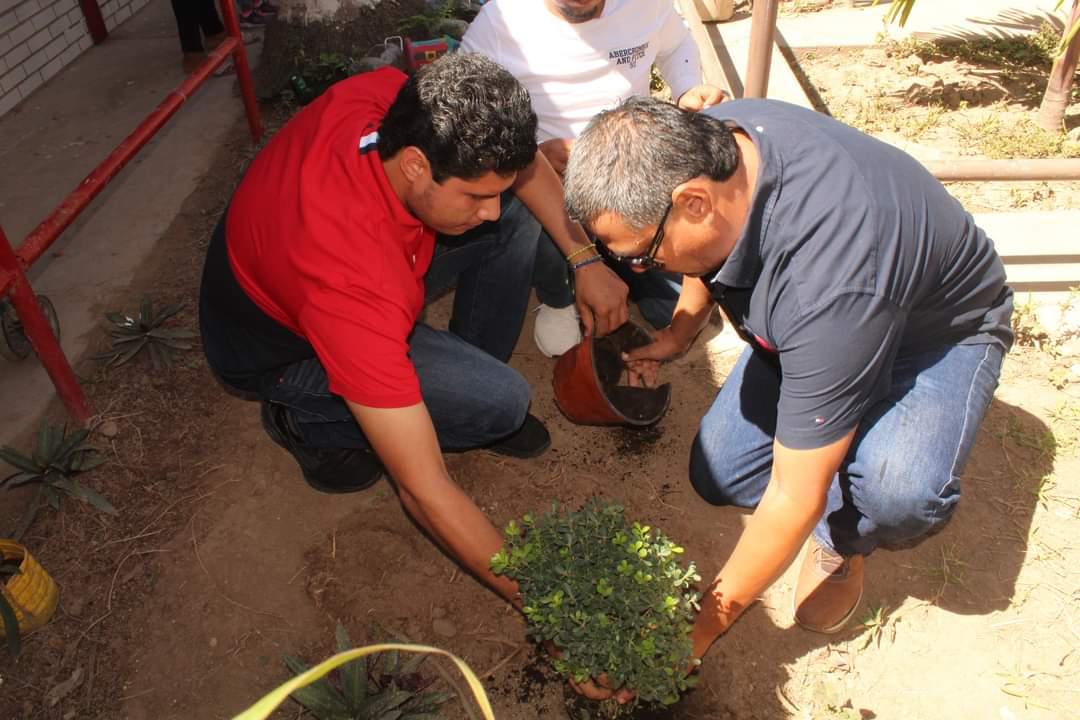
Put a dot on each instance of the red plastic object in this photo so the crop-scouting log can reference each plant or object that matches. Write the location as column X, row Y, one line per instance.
column 424, row 52
column 587, row 388
column 14, row 263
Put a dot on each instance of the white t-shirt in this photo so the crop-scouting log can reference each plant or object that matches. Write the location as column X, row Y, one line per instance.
column 573, row 71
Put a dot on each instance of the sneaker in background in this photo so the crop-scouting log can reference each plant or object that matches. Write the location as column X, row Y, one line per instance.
column 556, row 329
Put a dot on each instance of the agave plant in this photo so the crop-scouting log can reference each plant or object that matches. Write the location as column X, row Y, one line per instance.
column 56, row 459
column 130, row 335
column 380, row 687
column 8, row 569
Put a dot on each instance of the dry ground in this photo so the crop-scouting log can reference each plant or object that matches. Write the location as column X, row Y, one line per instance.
column 222, row 559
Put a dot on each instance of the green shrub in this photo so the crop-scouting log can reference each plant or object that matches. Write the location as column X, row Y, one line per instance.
column 609, row 594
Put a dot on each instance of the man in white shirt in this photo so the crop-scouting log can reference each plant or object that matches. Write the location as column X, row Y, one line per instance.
column 577, row 58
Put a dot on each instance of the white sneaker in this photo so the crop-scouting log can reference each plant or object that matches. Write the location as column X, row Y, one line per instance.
column 557, row 329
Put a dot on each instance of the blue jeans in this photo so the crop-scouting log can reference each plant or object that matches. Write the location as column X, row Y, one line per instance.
column 492, row 267
column 473, row 399
column 900, row 481
column 656, row 292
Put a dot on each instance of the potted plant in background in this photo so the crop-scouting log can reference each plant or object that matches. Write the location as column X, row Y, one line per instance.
column 28, row 595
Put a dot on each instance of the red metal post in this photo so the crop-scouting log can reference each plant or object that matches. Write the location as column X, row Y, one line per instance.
column 243, row 69
column 94, row 22
column 41, row 336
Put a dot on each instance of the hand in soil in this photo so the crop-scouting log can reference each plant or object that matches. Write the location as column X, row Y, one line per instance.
column 643, row 363
column 599, row 689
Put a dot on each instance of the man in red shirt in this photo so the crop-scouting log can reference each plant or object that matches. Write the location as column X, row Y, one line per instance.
column 315, row 278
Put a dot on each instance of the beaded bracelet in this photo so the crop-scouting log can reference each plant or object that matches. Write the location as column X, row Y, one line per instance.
column 587, row 261
column 581, row 250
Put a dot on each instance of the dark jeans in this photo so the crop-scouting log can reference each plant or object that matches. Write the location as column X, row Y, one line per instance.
column 656, row 292
column 901, row 478
column 193, row 16
column 473, row 397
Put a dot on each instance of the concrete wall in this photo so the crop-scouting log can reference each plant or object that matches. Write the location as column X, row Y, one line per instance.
column 39, row 37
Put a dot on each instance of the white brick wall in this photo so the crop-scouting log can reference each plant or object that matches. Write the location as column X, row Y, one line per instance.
column 39, row 37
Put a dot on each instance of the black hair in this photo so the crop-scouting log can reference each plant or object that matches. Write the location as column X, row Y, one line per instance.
column 468, row 115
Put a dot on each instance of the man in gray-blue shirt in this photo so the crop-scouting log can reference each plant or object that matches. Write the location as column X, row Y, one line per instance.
column 876, row 314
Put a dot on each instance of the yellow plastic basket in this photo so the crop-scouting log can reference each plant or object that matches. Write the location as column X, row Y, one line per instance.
column 32, row 593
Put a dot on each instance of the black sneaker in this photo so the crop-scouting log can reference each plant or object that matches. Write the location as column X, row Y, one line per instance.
column 328, row 470
column 531, row 440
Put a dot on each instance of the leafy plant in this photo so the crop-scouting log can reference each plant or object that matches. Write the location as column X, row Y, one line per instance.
column 9, row 567
column 57, row 457
column 420, row 26
column 383, row 689
column 130, row 335
column 874, row 624
column 609, row 594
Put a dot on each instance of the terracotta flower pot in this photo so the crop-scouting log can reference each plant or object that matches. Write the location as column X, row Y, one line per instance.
column 32, row 593
column 587, row 388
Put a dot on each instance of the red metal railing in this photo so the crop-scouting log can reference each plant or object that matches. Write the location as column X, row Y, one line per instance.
column 15, row 263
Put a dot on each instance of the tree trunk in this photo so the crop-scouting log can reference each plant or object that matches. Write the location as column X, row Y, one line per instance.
column 1059, row 88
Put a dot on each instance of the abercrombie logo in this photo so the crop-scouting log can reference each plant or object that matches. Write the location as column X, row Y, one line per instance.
column 629, row 56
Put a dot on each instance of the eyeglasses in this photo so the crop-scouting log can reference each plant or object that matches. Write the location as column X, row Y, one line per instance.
column 646, row 260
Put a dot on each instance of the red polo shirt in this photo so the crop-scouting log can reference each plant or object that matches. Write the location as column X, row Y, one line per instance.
column 321, row 243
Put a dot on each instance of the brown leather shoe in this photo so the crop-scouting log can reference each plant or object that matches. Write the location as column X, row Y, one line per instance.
column 829, row 590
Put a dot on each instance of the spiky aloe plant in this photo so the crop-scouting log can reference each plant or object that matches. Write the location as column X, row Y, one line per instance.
column 57, row 457
column 382, row 689
column 130, row 335
column 8, row 569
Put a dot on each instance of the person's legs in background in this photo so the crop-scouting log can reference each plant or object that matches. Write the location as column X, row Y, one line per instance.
column 557, row 327
column 199, row 27
column 209, row 22
column 187, row 26
column 492, row 267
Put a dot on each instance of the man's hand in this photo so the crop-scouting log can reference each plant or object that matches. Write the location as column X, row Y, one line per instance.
column 597, row 688
column 701, row 97
column 557, row 152
column 601, row 298
column 643, row 363
column 793, row 502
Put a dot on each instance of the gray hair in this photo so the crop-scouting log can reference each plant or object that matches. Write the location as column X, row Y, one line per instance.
column 629, row 160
